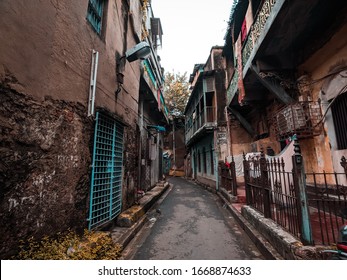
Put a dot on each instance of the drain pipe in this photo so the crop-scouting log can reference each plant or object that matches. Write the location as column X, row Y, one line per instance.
column 229, row 138
column 216, row 161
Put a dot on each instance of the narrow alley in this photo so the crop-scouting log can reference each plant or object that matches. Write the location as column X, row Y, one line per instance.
column 191, row 223
column 107, row 105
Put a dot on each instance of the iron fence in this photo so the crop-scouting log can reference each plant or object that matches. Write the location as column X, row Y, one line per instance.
column 283, row 196
column 228, row 177
column 327, row 195
column 271, row 190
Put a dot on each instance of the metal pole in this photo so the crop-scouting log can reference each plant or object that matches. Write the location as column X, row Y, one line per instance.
column 173, row 143
column 216, row 161
column 229, row 138
column 300, row 186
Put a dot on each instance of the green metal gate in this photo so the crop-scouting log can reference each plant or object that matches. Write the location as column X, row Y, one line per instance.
column 106, row 180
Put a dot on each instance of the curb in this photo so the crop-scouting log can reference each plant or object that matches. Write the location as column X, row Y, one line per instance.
column 124, row 235
column 268, row 251
column 131, row 232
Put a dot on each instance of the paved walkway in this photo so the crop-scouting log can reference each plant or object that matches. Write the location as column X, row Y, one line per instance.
column 192, row 224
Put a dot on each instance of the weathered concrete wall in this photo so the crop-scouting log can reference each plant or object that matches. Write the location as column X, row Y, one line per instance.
column 239, row 138
column 207, row 182
column 46, row 136
column 49, row 50
column 151, row 143
column 318, row 66
column 130, row 163
column 289, row 247
column 180, row 148
column 44, row 167
column 284, row 242
column 206, row 178
column 219, row 64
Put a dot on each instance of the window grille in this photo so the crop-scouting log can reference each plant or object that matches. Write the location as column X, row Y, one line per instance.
column 212, row 161
column 95, row 13
column 106, row 181
column 204, row 159
column 199, row 161
column 339, row 112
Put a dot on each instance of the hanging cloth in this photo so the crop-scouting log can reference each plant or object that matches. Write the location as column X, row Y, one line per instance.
column 240, row 84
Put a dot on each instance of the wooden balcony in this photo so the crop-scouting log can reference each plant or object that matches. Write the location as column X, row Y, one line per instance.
column 258, row 31
column 205, row 120
column 282, row 36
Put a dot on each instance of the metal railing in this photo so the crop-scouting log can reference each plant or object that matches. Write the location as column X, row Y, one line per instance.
column 271, row 191
column 207, row 117
column 256, row 29
column 276, row 193
column 228, row 177
column 231, row 91
column 327, row 194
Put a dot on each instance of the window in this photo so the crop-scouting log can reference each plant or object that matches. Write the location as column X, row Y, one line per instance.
column 95, row 14
column 339, row 113
column 199, row 161
column 204, row 159
column 212, row 162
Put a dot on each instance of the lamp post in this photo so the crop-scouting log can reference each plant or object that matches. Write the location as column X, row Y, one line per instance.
column 140, row 51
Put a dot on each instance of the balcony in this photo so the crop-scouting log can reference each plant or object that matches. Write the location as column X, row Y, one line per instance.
column 282, row 36
column 260, row 27
column 204, row 121
column 302, row 118
column 232, row 88
column 258, row 31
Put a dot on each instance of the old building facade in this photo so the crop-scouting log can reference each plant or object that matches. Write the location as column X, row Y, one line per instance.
column 70, row 120
column 286, row 102
column 286, row 76
column 153, row 114
column 205, row 132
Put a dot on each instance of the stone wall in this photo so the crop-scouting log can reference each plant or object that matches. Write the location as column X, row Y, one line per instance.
column 44, row 167
column 46, row 137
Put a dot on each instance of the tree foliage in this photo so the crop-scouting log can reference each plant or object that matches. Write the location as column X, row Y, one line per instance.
column 176, row 92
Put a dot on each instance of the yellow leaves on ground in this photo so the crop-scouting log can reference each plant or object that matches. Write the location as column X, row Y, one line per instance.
column 70, row 246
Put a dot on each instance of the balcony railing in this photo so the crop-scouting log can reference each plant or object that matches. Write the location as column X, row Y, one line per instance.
column 206, row 118
column 257, row 29
column 232, row 87
column 302, row 118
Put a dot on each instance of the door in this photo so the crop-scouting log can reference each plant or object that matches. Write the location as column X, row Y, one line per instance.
column 106, row 179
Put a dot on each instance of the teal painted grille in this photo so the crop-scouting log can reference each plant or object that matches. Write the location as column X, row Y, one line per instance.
column 94, row 14
column 106, row 181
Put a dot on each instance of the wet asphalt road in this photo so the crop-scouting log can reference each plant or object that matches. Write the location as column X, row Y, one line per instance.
column 192, row 225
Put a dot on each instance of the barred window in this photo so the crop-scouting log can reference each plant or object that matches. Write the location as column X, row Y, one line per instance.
column 204, row 159
column 212, row 162
column 339, row 112
column 95, row 14
column 199, row 161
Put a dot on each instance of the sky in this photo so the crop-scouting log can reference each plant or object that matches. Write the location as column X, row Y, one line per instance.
column 190, row 29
